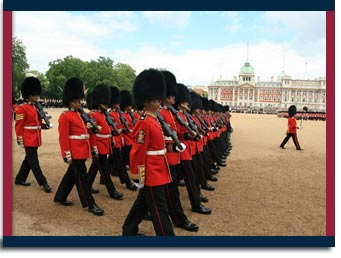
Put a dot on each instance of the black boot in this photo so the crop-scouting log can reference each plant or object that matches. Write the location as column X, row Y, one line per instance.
column 116, row 195
column 94, row 209
column 47, row 188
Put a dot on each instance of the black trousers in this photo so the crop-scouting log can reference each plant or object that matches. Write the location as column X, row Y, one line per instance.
column 294, row 138
column 101, row 164
column 212, row 149
column 199, row 169
column 117, row 166
column 173, row 198
column 75, row 175
column 191, row 181
column 31, row 161
column 152, row 199
column 126, row 154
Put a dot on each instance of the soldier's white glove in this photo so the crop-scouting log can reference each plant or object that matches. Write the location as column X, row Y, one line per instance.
column 138, row 184
column 50, row 126
column 94, row 152
column 183, row 147
column 67, row 158
column 301, row 127
column 20, row 142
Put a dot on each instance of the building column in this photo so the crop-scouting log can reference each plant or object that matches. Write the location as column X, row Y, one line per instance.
column 233, row 96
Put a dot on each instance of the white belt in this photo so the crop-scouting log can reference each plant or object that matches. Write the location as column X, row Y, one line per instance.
column 103, row 135
column 156, row 152
column 33, row 127
column 79, row 137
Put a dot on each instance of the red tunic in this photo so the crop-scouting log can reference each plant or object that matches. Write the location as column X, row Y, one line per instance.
column 117, row 139
column 72, row 126
column 181, row 130
column 103, row 137
column 211, row 134
column 199, row 144
column 292, row 125
column 28, row 125
column 148, row 136
column 173, row 158
column 128, row 137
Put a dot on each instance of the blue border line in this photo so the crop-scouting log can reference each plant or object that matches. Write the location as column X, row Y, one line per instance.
column 212, row 241
column 174, row 5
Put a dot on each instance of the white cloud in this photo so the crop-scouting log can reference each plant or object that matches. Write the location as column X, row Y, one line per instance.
column 177, row 19
column 308, row 28
column 232, row 28
column 200, row 67
column 52, row 35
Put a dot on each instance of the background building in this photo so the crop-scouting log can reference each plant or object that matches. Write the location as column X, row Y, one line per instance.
column 245, row 92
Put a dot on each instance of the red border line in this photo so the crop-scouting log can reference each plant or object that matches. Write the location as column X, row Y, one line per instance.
column 7, row 126
column 330, row 123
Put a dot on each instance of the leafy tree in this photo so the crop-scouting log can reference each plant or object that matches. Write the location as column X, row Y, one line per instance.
column 19, row 65
column 92, row 73
column 59, row 72
column 124, row 76
column 98, row 72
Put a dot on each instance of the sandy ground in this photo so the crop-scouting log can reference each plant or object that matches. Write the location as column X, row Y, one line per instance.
column 264, row 190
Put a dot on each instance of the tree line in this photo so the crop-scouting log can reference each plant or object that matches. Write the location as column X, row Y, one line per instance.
column 92, row 73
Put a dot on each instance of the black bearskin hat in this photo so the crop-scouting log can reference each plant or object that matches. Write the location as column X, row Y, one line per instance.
column 101, row 95
column 149, row 85
column 195, row 100
column 292, row 111
column 89, row 102
column 115, row 95
column 31, row 86
column 211, row 104
column 305, row 108
column 183, row 94
column 171, row 85
column 126, row 99
column 73, row 89
column 205, row 104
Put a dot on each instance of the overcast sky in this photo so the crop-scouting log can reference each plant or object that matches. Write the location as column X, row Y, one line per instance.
column 197, row 47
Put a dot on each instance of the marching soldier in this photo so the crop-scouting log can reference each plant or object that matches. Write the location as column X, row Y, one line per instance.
column 126, row 106
column 173, row 157
column 148, row 161
column 198, row 160
column 75, row 148
column 191, row 180
column 28, row 127
column 101, row 100
column 116, row 161
column 292, row 127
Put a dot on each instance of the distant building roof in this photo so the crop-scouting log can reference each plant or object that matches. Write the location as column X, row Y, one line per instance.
column 247, row 69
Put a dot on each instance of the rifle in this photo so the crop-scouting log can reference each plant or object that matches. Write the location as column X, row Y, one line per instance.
column 180, row 120
column 42, row 114
column 123, row 120
column 132, row 117
column 203, row 125
column 111, row 123
column 87, row 119
column 168, row 131
column 194, row 126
